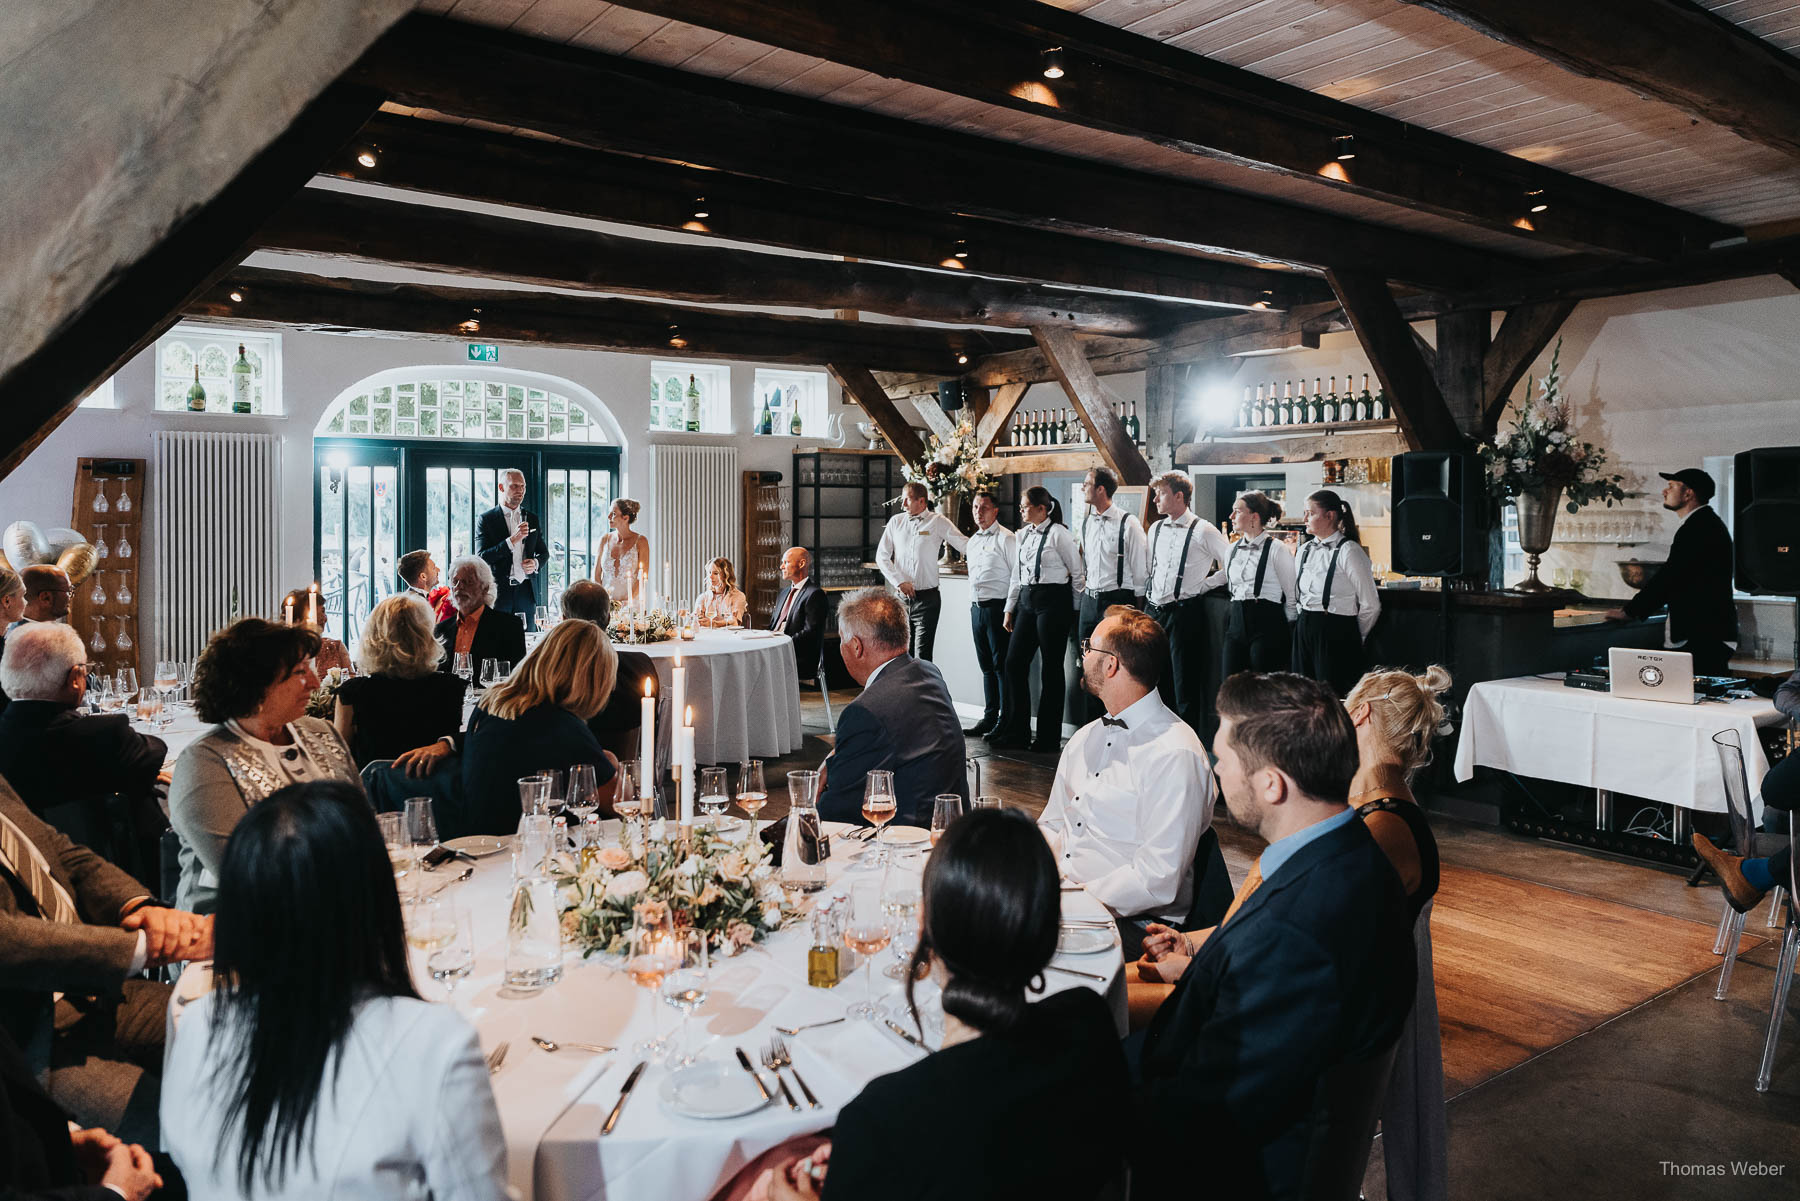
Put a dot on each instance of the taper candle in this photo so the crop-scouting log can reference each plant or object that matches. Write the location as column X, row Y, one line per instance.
column 647, row 744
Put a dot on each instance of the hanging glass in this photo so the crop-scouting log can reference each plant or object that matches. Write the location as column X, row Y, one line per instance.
column 124, row 547
column 100, row 505
column 124, row 505
column 100, row 551
column 124, row 640
column 97, row 643
column 98, row 596
column 123, row 595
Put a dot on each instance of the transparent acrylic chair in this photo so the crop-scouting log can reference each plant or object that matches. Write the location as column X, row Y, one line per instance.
column 1747, row 841
column 1784, row 969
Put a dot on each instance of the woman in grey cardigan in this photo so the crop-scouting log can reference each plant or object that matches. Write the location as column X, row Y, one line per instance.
column 253, row 680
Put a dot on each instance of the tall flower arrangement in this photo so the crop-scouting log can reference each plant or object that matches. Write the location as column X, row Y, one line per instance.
column 1541, row 454
column 951, row 467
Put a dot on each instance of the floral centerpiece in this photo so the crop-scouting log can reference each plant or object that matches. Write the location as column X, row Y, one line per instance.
column 951, row 469
column 636, row 627
column 1541, row 464
column 727, row 889
column 323, row 702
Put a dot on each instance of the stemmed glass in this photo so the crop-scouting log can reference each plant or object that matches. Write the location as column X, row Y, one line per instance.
column 399, row 847
column 167, row 679
column 753, row 794
column 97, row 643
column 866, row 931
column 713, row 797
column 946, row 809
column 99, row 693
column 100, row 505
column 123, row 595
column 453, row 957
column 652, row 942
column 124, row 641
column 685, row 985
column 878, row 809
column 584, row 795
column 100, row 548
column 127, row 685
column 629, row 804
column 124, row 505
column 490, row 672
column 461, row 666
column 97, row 597
column 123, row 549
column 900, row 898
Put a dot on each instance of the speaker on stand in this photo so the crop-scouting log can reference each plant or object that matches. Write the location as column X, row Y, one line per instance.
column 1765, row 538
column 1438, row 528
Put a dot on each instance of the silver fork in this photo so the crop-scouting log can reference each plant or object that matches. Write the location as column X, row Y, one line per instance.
column 774, row 1065
column 496, row 1057
column 785, row 1059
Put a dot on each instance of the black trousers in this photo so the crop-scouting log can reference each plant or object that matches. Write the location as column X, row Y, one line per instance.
column 922, row 617
column 1711, row 656
column 1093, row 612
column 1041, row 624
column 1183, row 686
column 987, row 620
column 1257, row 638
column 1328, row 647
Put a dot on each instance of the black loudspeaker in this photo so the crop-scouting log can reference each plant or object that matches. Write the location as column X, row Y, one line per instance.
column 1438, row 514
column 1766, row 533
column 950, row 395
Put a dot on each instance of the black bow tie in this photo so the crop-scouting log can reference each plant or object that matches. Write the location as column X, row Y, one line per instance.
column 1113, row 721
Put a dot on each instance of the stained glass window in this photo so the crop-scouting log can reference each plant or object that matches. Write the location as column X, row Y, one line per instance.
column 451, row 408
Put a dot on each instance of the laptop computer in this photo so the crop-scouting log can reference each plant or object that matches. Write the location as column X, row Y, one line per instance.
column 1652, row 675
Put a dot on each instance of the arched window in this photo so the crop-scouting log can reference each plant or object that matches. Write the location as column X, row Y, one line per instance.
column 468, row 405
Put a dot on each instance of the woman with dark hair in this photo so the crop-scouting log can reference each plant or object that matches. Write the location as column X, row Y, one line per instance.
column 313, row 1069
column 1259, row 573
column 253, row 680
column 1040, row 611
column 1338, row 599
column 988, row 927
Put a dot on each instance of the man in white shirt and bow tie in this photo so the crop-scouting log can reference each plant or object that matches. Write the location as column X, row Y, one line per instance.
column 908, row 558
column 992, row 552
column 1133, row 790
column 1115, row 550
column 1187, row 556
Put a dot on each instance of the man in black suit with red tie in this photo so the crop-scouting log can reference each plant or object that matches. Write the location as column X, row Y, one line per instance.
column 800, row 611
column 509, row 541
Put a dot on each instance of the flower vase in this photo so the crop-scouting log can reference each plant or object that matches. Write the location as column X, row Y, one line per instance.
column 1537, row 525
column 951, row 508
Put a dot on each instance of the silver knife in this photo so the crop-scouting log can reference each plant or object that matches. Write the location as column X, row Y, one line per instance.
column 612, row 1119
column 902, row 1032
column 760, row 1086
column 1069, row 971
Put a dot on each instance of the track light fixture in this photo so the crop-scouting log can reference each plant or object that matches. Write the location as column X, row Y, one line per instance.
column 1053, row 63
column 1345, row 144
column 701, row 212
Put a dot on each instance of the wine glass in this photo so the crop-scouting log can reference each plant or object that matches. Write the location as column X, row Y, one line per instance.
column 685, row 984
column 100, row 505
column 428, row 924
column 753, row 794
column 100, row 548
column 124, row 505
column 97, row 597
column 97, row 643
column 399, row 847
column 99, row 689
column 713, row 796
column 900, row 898
column 123, row 549
column 126, row 685
column 462, row 666
column 946, row 809
column 652, row 940
column 543, row 616
column 421, row 824
column 124, row 642
column 987, row 802
column 534, row 795
column 866, row 931
column 149, row 707
column 878, row 808
column 583, row 798
column 450, row 961
column 489, row 673
column 123, row 595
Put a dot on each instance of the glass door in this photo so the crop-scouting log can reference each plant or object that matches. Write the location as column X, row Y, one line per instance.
column 357, row 519
column 578, row 492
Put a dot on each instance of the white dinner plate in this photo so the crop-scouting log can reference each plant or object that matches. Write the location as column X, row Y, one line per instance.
column 711, row 1089
column 479, row 845
column 1083, row 940
column 744, row 633
column 905, row 837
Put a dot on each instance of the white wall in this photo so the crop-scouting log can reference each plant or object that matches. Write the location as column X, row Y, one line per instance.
column 316, row 368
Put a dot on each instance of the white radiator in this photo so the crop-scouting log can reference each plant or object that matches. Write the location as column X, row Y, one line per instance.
column 216, row 520
column 699, row 504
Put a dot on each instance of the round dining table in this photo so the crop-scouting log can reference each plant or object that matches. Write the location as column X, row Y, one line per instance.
column 552, row 1104
column 743, row 688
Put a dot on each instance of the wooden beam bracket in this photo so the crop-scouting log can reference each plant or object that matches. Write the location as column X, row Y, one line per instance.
column 861, row 387
column 1387, row 339
column 1073, row 372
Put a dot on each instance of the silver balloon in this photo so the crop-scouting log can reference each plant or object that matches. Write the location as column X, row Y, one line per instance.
column 62, row 539
column 25, row 544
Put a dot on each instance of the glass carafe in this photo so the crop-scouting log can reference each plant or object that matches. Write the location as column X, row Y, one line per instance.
column 803, row 850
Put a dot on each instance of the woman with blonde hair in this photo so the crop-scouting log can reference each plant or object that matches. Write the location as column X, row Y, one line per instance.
column 12, row 608
column 537, row 719
column 1397, row 714
column 620, row 553
column 723, row 603
column 403, row 700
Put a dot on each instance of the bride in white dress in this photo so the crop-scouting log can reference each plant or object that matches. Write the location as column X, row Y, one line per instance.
column 619, row 554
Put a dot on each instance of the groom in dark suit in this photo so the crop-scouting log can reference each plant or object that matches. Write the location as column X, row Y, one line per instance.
column 800, row 610
column 903, row 722
column 1311, row 970
column 510, row 541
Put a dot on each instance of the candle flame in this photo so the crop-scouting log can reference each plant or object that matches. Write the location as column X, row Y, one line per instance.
column 690, row 716
column 646, row 689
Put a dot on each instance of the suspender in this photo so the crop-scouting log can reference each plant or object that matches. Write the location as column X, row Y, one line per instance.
column 1119, row 572
column 1330, row 570
column 1037, row 568
column 1262, row 566
column 1181, row 566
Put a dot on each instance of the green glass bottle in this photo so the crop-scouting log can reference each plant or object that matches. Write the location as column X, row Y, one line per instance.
column 196, row 394
column 1366, row 407
column 241, row 373
column 765, row 424
column 693, row 406
column 795, row 425
column 1132, row 427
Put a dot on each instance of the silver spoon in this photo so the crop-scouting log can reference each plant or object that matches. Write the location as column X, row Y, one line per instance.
column 547, row 1045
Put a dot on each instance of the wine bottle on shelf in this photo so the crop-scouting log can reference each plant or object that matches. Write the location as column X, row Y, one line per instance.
column 241, row 372
column 1133, row 428
column 196, row 394
column 1259, row 415
column 1058, row 432
column 765, row 421
column 1243, row 413
column 1318, row 402
column 1365, row 404
column 795, row 426
column 1287, row 403
column 1378, row 404
column 693, row 405
column 1334, row 406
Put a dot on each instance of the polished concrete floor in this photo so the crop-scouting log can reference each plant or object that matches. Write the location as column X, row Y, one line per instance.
column 1651, row 1098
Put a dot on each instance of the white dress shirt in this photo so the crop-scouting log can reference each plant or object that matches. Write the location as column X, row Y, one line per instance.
column 992, row 554
column 910, row 546
column 1115, row 550
column 1047, row 555
column 512, row 517
column 1206, row 550
column 1279, row 580
column 405, row 1112
column 1353, row 592
column 1128, row 808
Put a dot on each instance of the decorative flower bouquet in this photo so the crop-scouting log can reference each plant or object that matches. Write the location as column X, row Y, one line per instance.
column 323, row 703
column 635, row 627
column 1542, row 455
column 951, row 468
column 727, row 889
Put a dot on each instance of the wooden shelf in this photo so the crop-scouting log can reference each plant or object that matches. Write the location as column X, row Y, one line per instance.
column 1065, row 447
column 1329, row 427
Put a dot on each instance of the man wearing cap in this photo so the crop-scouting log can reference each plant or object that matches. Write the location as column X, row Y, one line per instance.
column 1696, row 581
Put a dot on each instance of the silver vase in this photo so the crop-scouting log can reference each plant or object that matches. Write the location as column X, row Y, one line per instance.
column 951, row 508
column 1537, row 525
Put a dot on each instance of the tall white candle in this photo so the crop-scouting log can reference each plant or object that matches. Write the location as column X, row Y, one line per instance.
column 686, row 742
column 290, row 610
column 312, row 605
column 643, row 590
column 647, row 745
column 678, row 693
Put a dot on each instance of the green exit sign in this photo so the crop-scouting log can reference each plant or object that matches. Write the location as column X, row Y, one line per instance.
column 483, row 352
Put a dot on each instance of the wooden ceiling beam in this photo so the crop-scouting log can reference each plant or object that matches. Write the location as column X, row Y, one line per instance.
column 639, row 108
column 359, row 228
column 1076, row 375
column 1522, row 336
column 1671, row 50
column 860, row 386
column 998, row 415
column 292, row 300
column 1129, row 84
column 1387, row 338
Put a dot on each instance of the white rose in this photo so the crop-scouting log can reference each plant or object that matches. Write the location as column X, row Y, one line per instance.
column 770, row 894
column 771, row 916
column 761, row 871
column 1521, row 464
column 689, row 866
column 946, row 456
column 1558, row 437
column 626, row 884
column 659, row 829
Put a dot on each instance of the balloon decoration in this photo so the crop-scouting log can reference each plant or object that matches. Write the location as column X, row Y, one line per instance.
column 24, row 545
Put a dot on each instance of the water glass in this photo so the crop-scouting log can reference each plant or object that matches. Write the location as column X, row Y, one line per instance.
column 421, row 823
column 490, row 672
column 944, row 810
column 867, row 930
column 127, row 684
column 533, row 931
column 428, row 922
column 713, row 796
column 534, row 794
column 987, row 802
column 399, row 848
column 454, row 957
column 652, row 941
column 462, row 666
column 685, row 984
column 900, row 898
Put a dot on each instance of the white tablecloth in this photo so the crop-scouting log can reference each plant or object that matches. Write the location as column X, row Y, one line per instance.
column 744, row 690
column 1663, row 752
column 552, row 1105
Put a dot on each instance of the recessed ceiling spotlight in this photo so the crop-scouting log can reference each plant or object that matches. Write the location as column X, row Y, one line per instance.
column 961, row 359
column 237, row 296
column 366, row 156
column 1537, row 200
column 962, row 249
column 701, row 212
